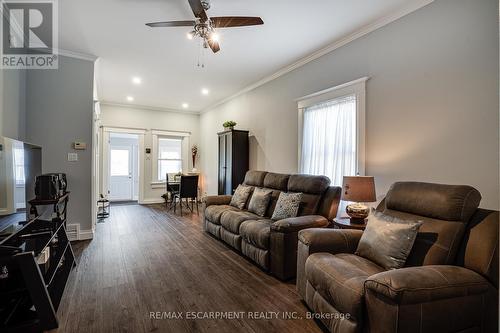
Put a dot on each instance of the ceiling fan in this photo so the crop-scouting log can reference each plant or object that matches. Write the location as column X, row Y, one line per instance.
column 204, row 26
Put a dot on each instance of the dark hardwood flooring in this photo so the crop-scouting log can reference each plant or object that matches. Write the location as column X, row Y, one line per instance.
column 144, row 259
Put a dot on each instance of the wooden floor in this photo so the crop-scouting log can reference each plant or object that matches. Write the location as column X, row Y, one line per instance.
column 143, row 260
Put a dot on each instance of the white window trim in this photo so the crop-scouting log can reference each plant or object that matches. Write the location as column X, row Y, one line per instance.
column 355, row 87
column 156, row 134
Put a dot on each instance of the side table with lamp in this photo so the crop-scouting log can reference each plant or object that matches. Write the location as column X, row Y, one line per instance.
column 357, row 189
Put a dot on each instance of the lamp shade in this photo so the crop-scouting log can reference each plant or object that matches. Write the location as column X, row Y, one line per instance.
column 358, row 189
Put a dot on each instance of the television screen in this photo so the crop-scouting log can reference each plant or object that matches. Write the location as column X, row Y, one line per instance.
column 20, row 163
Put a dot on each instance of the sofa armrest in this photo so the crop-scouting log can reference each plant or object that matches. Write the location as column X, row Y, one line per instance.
column 426, row 284
column 294, row 224
column 432, row 298
column 330, row 240
column 217, row 200
column 322, row 240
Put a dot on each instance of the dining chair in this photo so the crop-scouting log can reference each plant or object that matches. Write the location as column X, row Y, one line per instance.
column 188, row 189
column 172, row 189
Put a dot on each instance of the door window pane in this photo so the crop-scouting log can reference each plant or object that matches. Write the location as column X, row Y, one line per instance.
column 119, row 162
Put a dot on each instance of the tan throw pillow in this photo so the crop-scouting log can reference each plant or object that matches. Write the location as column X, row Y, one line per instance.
column 259, row 201
column 240, row 196
column 387, row 240
column 287, row 206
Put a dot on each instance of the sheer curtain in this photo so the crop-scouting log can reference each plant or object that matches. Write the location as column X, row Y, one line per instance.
column 329, row 139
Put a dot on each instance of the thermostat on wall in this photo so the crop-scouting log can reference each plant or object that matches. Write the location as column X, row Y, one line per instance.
column 79, row 145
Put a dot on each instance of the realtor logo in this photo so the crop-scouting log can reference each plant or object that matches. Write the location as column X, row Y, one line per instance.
column 29, row 34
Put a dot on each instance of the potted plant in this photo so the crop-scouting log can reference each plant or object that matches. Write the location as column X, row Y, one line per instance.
column 229, row 125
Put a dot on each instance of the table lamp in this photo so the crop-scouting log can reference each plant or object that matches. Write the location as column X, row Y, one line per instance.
column 358, row 189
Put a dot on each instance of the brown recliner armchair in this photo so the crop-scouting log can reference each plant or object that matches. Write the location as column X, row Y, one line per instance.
column 272, row 244
column 449, row 283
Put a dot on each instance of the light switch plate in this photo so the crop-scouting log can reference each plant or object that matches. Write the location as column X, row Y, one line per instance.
column 72, row 157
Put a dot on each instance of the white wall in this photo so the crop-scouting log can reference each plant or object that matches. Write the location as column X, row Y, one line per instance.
column 130, row 117
column 432, row 101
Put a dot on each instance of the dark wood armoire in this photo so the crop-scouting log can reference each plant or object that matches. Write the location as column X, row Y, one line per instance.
column 233, row 160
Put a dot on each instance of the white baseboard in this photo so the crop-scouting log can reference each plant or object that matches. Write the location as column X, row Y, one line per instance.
column 151, row 201
column 86, row 234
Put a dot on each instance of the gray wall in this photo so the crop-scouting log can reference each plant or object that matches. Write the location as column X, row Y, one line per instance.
column 13, row 103
column 432, row 101
column 59, row 105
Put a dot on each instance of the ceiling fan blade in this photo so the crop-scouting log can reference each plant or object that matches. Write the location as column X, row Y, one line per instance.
column 198, row 9
column 214, row 45
column 171, row 24
column 235, row 21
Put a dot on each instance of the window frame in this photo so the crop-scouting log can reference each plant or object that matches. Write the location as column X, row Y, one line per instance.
column 156, row 136
column 356, row 88
column 159, row 159
column 22, row 183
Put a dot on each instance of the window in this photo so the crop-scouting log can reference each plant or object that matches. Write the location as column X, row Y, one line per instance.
column 120, row 162
column 331, row 140
column 19, row 166
column 169, row 156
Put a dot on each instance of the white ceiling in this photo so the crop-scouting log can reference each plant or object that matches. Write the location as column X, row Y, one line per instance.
column 166, row 60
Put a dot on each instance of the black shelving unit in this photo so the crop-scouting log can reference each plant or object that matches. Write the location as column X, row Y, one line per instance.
column 30, row 293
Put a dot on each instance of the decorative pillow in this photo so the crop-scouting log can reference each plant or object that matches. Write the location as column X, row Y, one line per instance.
column 387, row 240
column 287, row 206
column 259, row 201
column 240, row 196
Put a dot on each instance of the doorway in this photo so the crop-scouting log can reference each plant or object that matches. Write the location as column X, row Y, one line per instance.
column 123, row 171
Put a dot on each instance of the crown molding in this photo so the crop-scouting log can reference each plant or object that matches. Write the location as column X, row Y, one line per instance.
column 146, row 107
column 321, row 52
column 77, row 55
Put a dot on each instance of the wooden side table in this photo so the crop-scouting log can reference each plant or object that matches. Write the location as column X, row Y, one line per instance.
column 345, row 223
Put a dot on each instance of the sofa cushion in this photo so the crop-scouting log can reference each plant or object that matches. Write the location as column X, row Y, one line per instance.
column 214, row 213
column 240, row 196
column 276, row 181
column 255, row 178
column 260, row 201
column 437, row 241
column 340, row 279
column 232, row 219
column 287, row 206
column 387, row 240
column 308, row 184
column 256, row 232
column 312, row 189
column 443, row 202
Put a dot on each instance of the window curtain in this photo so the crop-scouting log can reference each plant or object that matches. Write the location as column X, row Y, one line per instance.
column 329, row 139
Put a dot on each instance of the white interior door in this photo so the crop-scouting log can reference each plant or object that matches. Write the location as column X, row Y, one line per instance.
column 121, row 182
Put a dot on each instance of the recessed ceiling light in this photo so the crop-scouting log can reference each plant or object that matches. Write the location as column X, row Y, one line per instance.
column 130, row 98
column 185, row 105
column 136, row 80
column 205, row 91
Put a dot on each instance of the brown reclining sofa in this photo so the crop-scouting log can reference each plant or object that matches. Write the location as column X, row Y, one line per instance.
column 272, row 244
column 449, row 284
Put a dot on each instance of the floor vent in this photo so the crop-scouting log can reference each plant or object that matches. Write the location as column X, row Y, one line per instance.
column 73, row 230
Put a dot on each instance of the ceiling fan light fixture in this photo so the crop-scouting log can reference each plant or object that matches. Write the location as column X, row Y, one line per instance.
column 190, row 35
column 214, row 37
